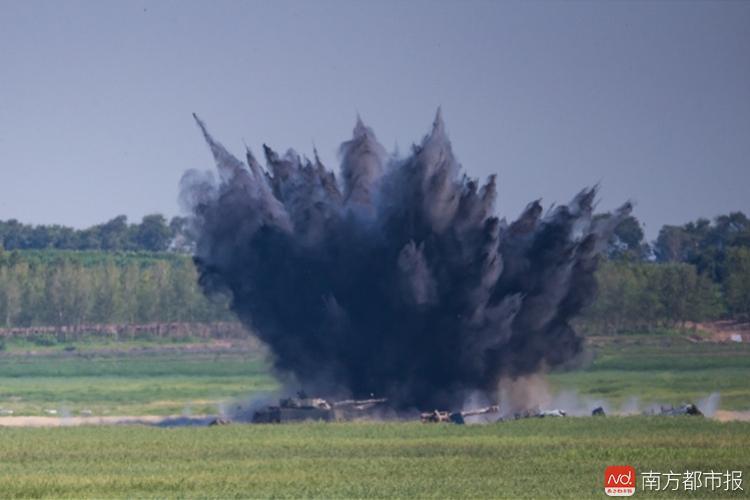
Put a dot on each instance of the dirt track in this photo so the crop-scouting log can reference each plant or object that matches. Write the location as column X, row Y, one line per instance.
column 724, row 331
column 727, row 416
column 108, row 420
column 75, row 421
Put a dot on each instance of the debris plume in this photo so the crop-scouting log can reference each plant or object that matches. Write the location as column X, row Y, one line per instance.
column 397, row 279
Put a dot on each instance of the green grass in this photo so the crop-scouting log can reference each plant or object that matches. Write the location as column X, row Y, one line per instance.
column 524, row 458
column 135, row 383
column 647, row 353
column 96, row 257
column 527, row 458
column 134, row 365
column 128, row 396
column 48, row 344
column 662, row 371
column 139, row 377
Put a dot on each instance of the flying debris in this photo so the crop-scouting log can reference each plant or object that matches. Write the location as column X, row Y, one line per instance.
column 395, row 278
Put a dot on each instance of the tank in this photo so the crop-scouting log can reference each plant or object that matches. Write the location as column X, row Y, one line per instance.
column 303, row 408
column 294, row 409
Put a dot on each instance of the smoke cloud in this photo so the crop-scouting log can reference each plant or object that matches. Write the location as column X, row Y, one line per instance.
column 396, row 279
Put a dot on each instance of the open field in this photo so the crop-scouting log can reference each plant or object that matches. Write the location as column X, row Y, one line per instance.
column 525, row 458
column 168, row 378
column 654, row 369
column 129, row 379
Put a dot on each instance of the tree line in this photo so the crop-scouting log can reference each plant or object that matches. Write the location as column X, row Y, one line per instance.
column 643, row 296
column 53, row 275
column 74, row 288
column 153, row 234
column 694, row 272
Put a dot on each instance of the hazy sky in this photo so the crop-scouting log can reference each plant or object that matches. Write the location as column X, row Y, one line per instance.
column 650, row 99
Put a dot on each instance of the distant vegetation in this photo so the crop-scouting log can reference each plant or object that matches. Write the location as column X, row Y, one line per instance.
column 74, row 288
column 135, row 273
column 645, row 296
column 658, row 369
column 119, row 378
column 696, row 272
column 153, row 234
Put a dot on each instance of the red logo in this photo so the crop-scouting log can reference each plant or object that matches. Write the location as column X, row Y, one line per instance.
column 619, row 480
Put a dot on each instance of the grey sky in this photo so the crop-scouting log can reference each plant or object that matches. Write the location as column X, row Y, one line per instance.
column 650, row 99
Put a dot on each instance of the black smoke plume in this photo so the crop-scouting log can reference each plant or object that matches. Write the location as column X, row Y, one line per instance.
column 395, row 279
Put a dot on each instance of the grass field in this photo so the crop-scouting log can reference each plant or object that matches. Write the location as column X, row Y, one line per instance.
column 661, row 370
column 525, row 458
column 167, row 378
column 129, row 379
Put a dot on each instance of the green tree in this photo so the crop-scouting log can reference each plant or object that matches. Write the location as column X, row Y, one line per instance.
column 114, row 233
column 627, row 239
column 737, row 285
column 704, row 244
column 153, row 233
column 641, row 296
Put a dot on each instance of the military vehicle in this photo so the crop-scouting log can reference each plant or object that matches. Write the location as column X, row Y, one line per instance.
column 535, row 413
column 686, row 409
column 456, row 417
column 302, row 408
column 551, row 413
column 295, row 410
column 219, row 421
column 435, row 416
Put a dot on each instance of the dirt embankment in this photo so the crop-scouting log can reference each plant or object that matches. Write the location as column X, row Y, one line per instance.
column 722, row 331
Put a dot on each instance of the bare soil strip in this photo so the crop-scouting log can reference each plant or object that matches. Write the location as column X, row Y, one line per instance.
column 727, row 416
column 175, row 420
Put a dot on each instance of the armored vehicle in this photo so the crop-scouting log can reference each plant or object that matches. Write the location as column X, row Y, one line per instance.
column 303, row 408
column 686, row 409
column 295, row 410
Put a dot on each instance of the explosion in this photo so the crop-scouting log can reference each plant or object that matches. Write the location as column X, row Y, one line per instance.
column 395, row 279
